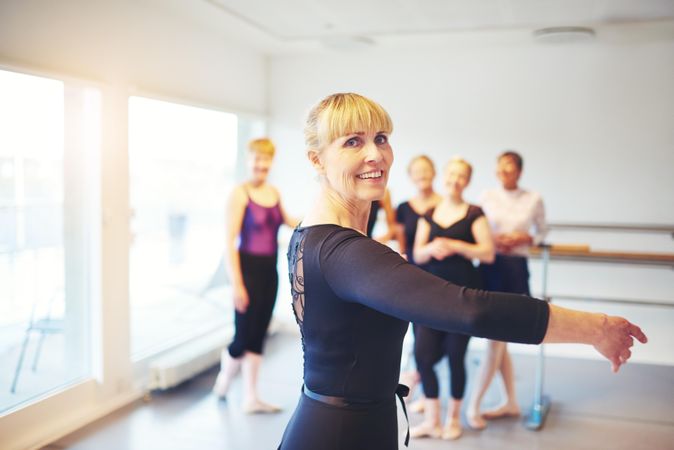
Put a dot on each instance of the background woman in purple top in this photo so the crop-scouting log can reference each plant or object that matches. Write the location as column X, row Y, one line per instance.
column 254, row 217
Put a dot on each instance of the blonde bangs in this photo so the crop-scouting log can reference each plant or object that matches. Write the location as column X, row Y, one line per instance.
column 262, row 146
column 351, row 113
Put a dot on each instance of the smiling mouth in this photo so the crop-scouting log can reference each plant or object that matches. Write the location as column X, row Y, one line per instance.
column 371, row 175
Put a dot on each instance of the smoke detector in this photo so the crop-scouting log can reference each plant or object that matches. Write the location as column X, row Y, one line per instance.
column 558, row 35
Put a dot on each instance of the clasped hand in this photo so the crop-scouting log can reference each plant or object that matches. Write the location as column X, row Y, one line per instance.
column 442, row 247
column 505, row 242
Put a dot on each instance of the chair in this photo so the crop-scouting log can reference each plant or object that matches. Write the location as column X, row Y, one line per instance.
column 44, row 326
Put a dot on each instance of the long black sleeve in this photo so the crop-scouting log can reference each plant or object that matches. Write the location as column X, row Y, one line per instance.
column 364, row 271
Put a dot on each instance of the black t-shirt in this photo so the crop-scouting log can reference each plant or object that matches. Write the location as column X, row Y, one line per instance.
column 455, row 268
column 408, row 217
column 353, row 298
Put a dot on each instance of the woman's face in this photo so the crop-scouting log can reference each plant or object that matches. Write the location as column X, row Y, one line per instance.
column 259, row 165
column 422, row 174
column 457, row 177
column 507, row 172
column 357, row 165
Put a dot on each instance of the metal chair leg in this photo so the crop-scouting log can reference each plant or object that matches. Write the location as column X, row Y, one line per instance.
column 20, row 362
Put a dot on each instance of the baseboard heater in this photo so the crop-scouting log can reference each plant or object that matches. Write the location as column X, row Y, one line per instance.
column 188, row 360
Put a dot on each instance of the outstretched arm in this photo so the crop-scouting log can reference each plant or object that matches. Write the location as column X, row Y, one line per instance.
column 362, row 271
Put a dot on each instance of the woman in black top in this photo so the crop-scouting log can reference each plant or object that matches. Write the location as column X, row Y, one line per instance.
column 353, row 297
column 421, row 172
column 448, row 238
column 385, row 205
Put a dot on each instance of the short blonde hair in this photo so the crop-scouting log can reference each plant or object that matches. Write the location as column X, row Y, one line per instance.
column 460, row 160
column 343, row 114
column 420, row 158
column 263, row 146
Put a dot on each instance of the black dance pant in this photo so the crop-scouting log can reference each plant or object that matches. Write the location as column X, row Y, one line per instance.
column 507, row 274
column 319, row 426
column 430, row 346
column 260, row 278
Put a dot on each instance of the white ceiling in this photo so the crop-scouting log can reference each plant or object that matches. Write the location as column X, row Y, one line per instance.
column 276, row 27
column 295, row 20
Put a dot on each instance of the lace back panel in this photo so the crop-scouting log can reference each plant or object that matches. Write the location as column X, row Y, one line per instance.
column 296, row 275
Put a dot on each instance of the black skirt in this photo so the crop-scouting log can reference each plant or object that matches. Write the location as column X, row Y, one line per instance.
column 317, row 425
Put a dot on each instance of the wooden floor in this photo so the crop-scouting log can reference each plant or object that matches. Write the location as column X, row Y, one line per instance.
column 591, row 409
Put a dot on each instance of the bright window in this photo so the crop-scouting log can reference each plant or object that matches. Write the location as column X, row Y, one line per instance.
column 44, row 311
column 182, row 161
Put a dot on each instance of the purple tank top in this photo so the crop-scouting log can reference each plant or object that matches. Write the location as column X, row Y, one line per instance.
column 260, row 229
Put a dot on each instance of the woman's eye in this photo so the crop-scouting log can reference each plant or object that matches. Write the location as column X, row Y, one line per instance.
column 353, row 142
column 381, row 139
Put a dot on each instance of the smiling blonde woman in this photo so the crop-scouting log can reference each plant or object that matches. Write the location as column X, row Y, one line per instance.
column 354, row 298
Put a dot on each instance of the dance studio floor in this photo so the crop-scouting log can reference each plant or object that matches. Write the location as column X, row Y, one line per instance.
column 591, row 409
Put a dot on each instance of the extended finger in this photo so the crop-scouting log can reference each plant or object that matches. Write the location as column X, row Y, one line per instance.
column 637, row 333
column 615, row 364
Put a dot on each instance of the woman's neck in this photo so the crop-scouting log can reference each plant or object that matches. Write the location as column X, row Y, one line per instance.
column 454, row 200
column 255, row 184
column 426, row 196
column 331, row 208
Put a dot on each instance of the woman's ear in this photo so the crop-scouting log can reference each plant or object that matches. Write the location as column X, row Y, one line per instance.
column 315, row 160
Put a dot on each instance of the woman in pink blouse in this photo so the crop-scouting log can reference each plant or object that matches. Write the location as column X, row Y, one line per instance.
column 517, row 221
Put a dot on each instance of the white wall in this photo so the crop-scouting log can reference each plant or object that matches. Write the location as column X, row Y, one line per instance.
column 595, row 123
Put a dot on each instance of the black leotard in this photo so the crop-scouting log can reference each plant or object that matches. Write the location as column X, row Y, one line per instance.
column 353, row 298
column 431, row 345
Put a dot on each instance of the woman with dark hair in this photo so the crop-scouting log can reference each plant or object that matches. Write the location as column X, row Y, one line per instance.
column 517, row 220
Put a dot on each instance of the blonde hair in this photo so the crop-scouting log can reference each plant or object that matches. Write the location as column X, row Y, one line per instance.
column 420, row 158
column 460, row 160
column 343, row 114
column 263, row 146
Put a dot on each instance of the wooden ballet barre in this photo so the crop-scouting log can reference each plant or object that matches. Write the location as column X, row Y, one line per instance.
column 624, row 227
column 575, row 252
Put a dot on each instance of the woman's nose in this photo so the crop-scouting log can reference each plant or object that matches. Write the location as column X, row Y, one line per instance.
column 373, row 153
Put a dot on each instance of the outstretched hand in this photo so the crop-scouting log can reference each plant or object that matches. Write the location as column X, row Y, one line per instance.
column 616, row 338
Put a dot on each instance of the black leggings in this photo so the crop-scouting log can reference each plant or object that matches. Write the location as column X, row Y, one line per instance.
column 429, row 347
column 260, row 278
